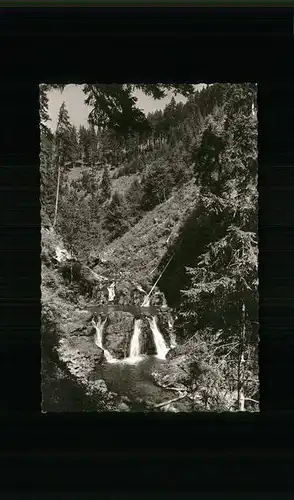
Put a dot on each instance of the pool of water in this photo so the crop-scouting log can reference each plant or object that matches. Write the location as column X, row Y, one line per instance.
column 133, row 378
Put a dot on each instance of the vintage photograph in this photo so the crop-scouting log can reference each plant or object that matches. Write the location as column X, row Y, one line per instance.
column 149, row 247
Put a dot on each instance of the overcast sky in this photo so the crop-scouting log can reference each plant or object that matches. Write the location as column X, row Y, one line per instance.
column 74, row 97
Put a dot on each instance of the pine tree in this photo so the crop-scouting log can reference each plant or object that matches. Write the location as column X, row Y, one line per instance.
column 85, row 146
column 172, row 137
column 74, row 144
column 44, row 116
column 47, row 171
column 133, row 201
column 93, row 156
column 222, row 296
column 115, row 221
column 179, row 170
column 207, row 161
column 47, row 174
column 157, row 184
column 114, row 106
column 170, row 115
column 75, row 223
column 63, row 151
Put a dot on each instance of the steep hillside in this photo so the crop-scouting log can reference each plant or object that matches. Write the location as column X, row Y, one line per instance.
column 137, row 255
column 72, row 364
column 70, row 358
column 158, row 288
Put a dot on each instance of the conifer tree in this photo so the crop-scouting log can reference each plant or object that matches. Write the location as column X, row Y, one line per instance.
column 44, row 116
column 115, row 221
column 170, row 114
column 84, row 146
column 105, row 185
column 133, row 201
column 93, row 147
column 63, row 151
column 47, row 174
column 222, row 296
column 157, row 184
column 74, row 144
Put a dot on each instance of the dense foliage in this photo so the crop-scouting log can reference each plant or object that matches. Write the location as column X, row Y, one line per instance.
column 210, row 142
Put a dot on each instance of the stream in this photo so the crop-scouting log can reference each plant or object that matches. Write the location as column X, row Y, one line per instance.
column 132, row 376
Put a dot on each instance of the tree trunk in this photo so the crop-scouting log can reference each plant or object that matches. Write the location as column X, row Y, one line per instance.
column 57, row 194
column 241, row 362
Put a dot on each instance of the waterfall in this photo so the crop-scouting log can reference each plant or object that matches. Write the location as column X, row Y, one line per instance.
column 99, row 326
column 161, row 347
column 135, row 341
column 62, row 254
column 146, row 301
column 111, row 292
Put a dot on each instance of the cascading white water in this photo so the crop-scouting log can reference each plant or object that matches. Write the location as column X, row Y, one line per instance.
column 135, row 340
column 62, row 254
column 111, row 292
column 135, row 353
column 99, row 325
column 161, row 347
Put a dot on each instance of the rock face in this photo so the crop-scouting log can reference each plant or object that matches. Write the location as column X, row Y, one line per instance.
column 74, row 329
column 81, row 355
column 118, row 332
column 146, row 382
column 162, row 321
column 147, row 342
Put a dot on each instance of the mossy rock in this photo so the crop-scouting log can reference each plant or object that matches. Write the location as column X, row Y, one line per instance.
column 117, row 333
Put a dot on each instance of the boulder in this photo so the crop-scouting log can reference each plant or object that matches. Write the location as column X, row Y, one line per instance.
column 123, row 407
column 100, row 386
column 83, row 315
column 76, row 329
column 147, row 342
column 81, row 355
column 77, row 323
column 117, row 333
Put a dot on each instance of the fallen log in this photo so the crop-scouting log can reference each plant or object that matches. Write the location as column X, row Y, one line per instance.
column 165, row 403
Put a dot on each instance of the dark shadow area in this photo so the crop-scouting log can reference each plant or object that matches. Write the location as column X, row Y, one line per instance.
column 198, row 231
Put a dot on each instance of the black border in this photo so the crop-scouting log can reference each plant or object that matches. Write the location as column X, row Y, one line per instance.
column 127, row 451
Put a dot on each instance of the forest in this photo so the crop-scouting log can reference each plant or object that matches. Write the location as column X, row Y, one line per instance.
column 164, row 208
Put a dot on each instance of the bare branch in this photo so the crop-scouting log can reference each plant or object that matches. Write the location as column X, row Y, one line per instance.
column 182, row 396
column 250, row 399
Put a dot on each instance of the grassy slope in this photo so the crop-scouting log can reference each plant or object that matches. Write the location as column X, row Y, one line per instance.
column 138, row 253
